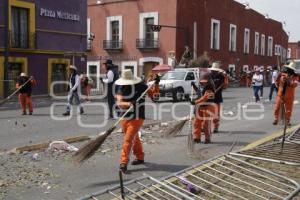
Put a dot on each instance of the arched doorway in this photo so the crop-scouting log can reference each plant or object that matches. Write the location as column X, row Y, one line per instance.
column 148, row 64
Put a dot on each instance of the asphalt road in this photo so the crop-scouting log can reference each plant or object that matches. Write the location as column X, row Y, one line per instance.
column 163, row 155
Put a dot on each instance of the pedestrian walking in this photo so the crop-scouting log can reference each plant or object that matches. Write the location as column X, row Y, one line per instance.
column 274, row 75
column 111, row 76
column 287, row 82
column 129, row 89
column 74, row 90
column 25, row 92
column 220, row 80
column 204, row 108
column 257, row 81
column 262, row 86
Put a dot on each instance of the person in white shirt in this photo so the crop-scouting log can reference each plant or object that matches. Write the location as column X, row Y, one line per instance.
column 257, row 81
column 112, row 75
column 74, row 90
column 274, row 78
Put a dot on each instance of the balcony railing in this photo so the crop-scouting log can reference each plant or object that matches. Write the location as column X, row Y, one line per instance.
column 22, row 40
column 113, row 45
column 147, row 44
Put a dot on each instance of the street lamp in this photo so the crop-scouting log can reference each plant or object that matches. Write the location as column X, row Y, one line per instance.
column 247, row 6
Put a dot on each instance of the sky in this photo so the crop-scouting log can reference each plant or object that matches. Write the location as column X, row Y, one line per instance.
column 287, row 11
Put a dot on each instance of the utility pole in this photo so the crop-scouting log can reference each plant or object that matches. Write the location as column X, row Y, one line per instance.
column 6, row 46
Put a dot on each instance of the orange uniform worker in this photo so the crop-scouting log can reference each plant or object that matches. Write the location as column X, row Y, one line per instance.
column 287, row 81
column 220, row 80
column 25, row 92
column 204, row 108
column 129, row 89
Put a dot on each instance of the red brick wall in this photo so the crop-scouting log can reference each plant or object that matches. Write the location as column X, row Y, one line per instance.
column 130, row 11
column 228, row 11
column 295, row 50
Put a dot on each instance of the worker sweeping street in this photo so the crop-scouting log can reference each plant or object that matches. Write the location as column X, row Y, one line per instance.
column 287, row 81
column 204, row 108
column 130, row 88
column 220, row 80
column 25, row 92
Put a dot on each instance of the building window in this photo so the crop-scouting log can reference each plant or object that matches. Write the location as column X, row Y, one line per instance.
column 20, row 27
column 277, row 50
column 263, row 45
column 113, row 33
column 270, row 46
column 147, row 38
column 215, row 34
column 289, row 52
column 232, row 37
column 149, row 34
column 256, row 43
column 246, row 41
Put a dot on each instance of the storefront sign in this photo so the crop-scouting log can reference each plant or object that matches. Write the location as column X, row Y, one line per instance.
column 59, row 14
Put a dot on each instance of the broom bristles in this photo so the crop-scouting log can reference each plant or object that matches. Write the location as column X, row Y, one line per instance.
column 177, row 128
column 89, row 149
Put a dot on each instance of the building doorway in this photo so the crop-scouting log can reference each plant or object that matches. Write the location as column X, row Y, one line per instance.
column 147, row 68
column 14, row 71
column 58, row 74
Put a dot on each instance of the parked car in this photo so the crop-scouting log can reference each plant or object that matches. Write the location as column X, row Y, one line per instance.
column 176, row 84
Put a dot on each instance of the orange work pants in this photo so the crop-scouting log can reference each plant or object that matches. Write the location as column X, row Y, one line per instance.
column 131, row 140
column 216, row 120
column 203, row 119
column 25, row 101
column 289, row 102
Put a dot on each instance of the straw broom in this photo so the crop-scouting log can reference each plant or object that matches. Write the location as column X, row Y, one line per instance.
column 177, row 128
column 89, row 149
column 14, row 93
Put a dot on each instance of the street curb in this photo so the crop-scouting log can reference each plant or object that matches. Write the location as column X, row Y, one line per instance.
column 269, row 138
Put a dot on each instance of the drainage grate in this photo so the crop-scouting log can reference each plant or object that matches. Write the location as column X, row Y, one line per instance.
column 295, row 137
column 225, row 177
column 273, row 153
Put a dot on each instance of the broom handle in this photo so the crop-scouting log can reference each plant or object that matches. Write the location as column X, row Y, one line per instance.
column 131, row 106
column 15, row 92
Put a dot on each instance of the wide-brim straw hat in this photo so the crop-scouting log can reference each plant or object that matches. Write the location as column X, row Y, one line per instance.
column 291, row 66
column 23, row 74
column 127, row 78
column 73, row 67
column 216, row 66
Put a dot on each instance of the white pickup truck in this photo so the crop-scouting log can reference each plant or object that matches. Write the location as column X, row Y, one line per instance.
column 176, row 84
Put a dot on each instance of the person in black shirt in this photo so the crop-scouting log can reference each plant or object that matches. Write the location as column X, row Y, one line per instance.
column 129, row 90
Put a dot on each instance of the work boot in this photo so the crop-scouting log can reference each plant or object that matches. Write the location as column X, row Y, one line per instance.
column 123, row 167
column 216, row 130
column 197, row 141
column 137, row 162
column 275, row 122
column 24, row 113
column 81, row 111
column 207, row 141
column 30, row 113
column 67, row 113
column 288, row 123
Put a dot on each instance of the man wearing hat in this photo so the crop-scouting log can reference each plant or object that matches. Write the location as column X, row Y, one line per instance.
column 112, row 76
column 287, row 81
column 74, row 85
column 25, row 92
column 129, row 89
column 220, row 80
column 204, row 107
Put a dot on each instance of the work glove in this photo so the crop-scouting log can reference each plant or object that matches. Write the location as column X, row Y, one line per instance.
column 31, row 77
column 157, row 79
column 101, row 79
column 193, row 84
